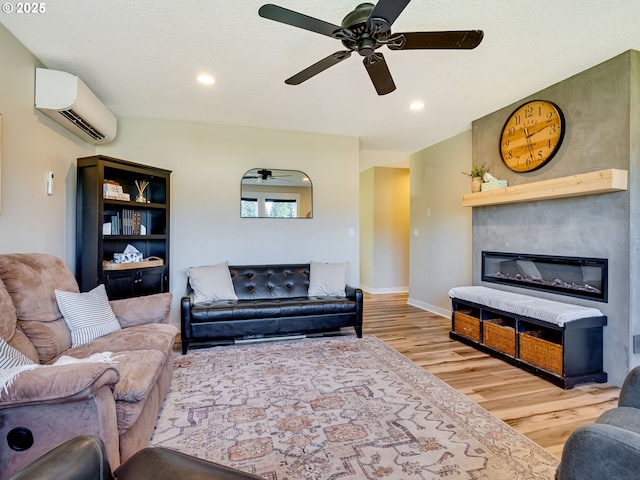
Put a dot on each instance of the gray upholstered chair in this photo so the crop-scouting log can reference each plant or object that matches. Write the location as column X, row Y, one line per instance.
column 609, row 448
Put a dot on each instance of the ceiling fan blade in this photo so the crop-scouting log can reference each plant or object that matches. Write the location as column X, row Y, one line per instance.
column 462, row 39
column 387, row 11
column 289, row 17
column 379, row 73
column 318, row 67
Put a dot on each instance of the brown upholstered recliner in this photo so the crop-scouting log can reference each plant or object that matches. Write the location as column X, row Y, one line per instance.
column 85, row 458
column 51, row 404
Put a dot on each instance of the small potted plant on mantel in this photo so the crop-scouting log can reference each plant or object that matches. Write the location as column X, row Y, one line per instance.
column 476, row 174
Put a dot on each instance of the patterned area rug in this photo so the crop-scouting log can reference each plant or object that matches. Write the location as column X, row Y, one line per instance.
column 336, row 408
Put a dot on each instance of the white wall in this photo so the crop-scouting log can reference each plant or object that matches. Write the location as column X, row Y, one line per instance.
column 31, row 220
column 208, row 162
column 392, row 229
column 372, row 158
column 384, row 219
column 440, row 253
column 367, row 228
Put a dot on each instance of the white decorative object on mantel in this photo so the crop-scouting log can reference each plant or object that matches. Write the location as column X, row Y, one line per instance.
column 492, row 183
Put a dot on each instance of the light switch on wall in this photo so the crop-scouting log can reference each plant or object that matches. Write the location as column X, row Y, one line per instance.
column 352, row 232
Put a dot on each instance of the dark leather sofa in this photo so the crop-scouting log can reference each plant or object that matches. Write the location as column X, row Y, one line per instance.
column 272, row 301
column 85, row 458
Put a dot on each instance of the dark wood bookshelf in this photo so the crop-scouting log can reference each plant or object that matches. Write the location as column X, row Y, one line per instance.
column 148, row 233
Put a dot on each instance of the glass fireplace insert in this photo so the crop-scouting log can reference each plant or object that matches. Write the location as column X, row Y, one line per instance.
column 575, row 276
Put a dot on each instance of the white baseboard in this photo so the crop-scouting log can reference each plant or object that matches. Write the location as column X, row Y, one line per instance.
column 376, row 291
column 429, row 308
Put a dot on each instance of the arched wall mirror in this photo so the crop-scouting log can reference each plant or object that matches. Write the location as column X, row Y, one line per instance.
column 273, row 193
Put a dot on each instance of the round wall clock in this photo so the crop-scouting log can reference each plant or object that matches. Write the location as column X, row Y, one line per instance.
column 532, row 135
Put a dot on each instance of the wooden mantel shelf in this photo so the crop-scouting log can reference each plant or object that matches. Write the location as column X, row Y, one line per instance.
column 603, row 181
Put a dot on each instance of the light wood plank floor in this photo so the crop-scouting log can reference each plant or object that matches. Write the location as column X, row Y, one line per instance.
column 534, row 407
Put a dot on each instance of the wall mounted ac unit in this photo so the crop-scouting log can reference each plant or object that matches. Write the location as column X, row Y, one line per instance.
column 66, row 99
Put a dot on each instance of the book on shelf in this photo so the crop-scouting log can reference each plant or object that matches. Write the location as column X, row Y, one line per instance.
column 126, row 222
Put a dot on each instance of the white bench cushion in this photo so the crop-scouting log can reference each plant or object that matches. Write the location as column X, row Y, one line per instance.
column 549, row 311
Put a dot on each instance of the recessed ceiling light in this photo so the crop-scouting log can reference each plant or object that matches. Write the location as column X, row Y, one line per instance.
column 417, row 105
column 206, row 79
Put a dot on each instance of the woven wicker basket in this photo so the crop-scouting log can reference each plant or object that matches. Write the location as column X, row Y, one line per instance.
column 540, row 352
column 499, row 336
column 466, row 325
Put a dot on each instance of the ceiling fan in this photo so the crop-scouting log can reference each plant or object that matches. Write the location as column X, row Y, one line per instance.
column 263, row 175
column 364, row 30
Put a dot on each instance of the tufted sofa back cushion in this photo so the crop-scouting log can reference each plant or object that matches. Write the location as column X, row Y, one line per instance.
column 257, row 282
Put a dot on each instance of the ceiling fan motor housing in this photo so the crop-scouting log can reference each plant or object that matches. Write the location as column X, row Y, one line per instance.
column 264, row 174
column 356, row 22
column 358, row 17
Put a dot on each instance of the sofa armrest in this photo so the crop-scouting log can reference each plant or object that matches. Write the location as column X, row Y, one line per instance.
column 133, row 311
column 81, row 457
column 36, row 417
column 600, row 451
column 185, row 322
column 158, row 463
column 630, row 392
column 58, row 383
column 358, row 295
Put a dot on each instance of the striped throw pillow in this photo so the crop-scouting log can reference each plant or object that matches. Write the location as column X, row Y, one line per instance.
column 88, row 315
column 10, row 357
column 12, row 363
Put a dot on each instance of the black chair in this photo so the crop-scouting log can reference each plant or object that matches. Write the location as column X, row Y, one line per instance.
column 84, row 458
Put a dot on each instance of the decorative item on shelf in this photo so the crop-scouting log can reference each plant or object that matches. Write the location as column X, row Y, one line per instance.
column 130, row 254
column 492, row 183
column 144, row 263
column 141, row 186
column 113, row 191
column 477, row 173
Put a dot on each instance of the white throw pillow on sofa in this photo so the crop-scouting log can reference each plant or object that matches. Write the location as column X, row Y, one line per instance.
column 327, row 279
column 211, row 283
column 88, row 315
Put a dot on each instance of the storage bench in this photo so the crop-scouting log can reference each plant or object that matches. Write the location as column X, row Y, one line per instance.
column 560, row 342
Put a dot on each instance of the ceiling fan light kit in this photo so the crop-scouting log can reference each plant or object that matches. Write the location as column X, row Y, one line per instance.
column 364, row 30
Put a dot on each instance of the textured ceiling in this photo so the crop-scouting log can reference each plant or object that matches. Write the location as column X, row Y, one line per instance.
column 141, row 58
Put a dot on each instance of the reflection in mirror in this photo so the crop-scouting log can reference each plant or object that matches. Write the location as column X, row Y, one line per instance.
column 271, row 193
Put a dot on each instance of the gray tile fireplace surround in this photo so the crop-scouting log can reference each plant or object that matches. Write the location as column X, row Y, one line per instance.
column 601, row 106
column 592, row 226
